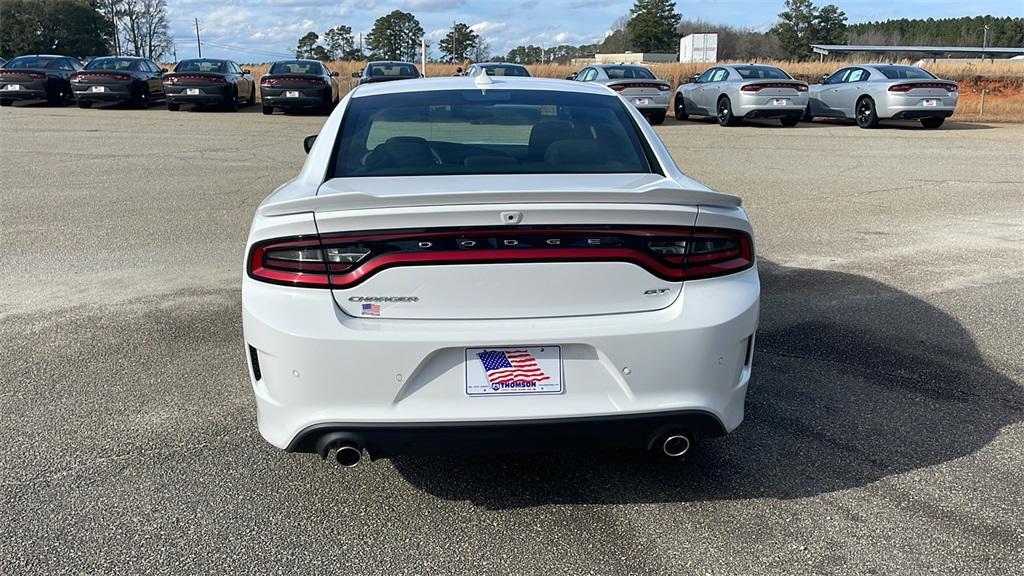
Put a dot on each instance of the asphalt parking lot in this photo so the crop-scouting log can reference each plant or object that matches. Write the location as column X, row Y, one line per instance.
column 884, row 428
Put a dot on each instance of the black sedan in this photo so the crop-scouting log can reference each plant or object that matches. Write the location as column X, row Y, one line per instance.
column 299, row 84
column 38, row 78
column 121, row 79
column 386, row 71
column 209, row 82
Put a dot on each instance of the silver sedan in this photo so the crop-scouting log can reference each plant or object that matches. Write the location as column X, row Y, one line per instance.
column 872, row 92
column 735, row 92
column 637, row 84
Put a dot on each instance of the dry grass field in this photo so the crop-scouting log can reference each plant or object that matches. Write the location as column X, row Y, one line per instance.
column 1001, row 81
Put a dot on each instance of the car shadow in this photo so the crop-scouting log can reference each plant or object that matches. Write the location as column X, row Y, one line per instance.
column 834, row 122
column 853, row 381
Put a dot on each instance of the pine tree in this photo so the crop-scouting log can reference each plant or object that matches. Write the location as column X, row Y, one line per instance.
column 652, row 26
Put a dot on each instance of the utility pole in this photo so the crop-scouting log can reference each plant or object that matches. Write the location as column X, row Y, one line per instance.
column 199, row 44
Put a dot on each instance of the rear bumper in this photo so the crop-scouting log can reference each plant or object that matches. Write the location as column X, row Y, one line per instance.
column 23, row 94
column 758, row 106
column 285, row 102
column 912, row 107
column 383, row 440
column 322, row 370
column 917, row 114
column 207, row 96
column 111, row 94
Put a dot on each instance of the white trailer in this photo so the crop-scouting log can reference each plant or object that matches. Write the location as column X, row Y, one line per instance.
column 698, row 48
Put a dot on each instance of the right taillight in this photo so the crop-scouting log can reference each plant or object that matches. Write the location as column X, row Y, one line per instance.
column 345, row 260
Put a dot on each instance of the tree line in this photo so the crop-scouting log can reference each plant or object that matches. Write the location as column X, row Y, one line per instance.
column 85, row 28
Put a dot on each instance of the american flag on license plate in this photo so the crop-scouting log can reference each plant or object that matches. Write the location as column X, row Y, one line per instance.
column 371, row 309
column 511, row 366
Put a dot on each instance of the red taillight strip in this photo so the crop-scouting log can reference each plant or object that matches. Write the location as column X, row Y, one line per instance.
column 624, row 86
column 949, row 87
column 315, row 274
column 36, row 75
column 765, row 85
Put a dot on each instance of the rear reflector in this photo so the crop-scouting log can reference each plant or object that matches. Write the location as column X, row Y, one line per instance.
column 949, row 87
column 292, row 80
column 766, row 85
column 34, row 75
column 345, row 260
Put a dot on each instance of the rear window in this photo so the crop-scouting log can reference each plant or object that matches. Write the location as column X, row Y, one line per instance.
column 904, row 73
column 506, row 71
column 761, row 73
column 200, row 66
column 296, row 67
column 398, row 70
column 488, row 132
column 619, row 72
column 110, row 64
column 33, row 62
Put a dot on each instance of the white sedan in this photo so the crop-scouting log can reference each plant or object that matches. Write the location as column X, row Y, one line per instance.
column 490, row 264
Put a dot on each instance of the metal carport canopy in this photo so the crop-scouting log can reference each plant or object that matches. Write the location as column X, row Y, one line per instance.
column 827, row 48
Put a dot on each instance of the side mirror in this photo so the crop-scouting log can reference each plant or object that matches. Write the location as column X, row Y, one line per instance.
column 458, row 71
column 695, row 79
column 335, row 74
column 571, row 76
column 246, row 72
column 824, row 79
column 357, row 74
column 307, row 142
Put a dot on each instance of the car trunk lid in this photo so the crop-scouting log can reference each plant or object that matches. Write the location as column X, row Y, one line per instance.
column 292, row 81
column 782, row 88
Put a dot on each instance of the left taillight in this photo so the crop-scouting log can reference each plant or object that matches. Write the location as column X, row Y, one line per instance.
column 293, row 261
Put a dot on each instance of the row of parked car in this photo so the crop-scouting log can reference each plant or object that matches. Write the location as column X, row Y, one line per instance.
column 730, row 93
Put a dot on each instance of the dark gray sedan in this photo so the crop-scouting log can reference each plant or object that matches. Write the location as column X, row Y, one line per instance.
column 118, row 79
column 209, row 82
column 41, row 77
column 298, row 85
column 381, row 71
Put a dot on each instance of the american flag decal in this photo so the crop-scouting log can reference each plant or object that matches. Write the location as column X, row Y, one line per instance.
column 371, row 309
column 511, row 366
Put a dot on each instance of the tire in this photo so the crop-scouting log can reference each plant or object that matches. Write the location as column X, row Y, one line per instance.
column 725, row 116
column 5, row 102
column 141, row 99
column 84, row 104
column 789, row 121
column 252, row 95
column 268, row 110
column 656, row 118
column 231, row 101
column 173, row 106
column 807, row 115
column 680, row 109
column 867, row 116
column 60, row 97
column 932, row 123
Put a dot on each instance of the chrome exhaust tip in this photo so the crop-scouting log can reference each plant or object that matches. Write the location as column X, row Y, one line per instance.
column 675, row 445
column 348, row 455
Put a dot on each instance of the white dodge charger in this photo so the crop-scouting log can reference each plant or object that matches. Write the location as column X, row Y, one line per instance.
column 492, row 264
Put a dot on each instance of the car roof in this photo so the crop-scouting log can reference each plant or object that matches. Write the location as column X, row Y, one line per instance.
column 497, row 64
column 372, row 62
column 614, row 65
column 470, row 83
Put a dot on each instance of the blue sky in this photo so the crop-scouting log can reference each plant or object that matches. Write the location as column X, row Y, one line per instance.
column 261, row 30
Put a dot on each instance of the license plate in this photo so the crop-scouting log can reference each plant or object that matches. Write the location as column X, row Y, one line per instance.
column 779, row 102
column 519, row 370
column 192, row 91
column 98, row 88
column 642, row 101
column 291, row 94
column 931, row 102
column 13, row 87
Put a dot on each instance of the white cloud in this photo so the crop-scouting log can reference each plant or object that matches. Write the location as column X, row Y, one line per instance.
column 433, row 5
column 487, row 27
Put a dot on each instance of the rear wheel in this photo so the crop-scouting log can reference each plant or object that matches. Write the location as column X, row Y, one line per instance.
column 231, row 101
column 680, row 109
column 789, row 120
column 725, row 116
column 173, row 107
column 656, row 117
column 59, row 96
column 141, row 99
column 5, row 102
column 932, row 123
column 867, row 117
column 84, row 104
column 268, row 110
column 252, row 95
column 807, row 117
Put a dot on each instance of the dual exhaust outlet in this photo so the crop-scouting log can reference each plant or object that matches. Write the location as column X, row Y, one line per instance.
column 671, row 445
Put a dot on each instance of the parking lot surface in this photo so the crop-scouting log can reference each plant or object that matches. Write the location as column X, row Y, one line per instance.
column 884, row 427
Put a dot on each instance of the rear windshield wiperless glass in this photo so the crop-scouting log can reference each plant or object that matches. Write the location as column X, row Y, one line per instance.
column 296, row 67
column 200, row 66
column 392, row 70
column 29, row 62
column 506, row 71
column 110, row 64
column 488, row 132
column 761, row 73
column 620, row 72
column 904, row 73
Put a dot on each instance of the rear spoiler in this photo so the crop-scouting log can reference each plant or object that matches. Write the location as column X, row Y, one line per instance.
column 410, row 191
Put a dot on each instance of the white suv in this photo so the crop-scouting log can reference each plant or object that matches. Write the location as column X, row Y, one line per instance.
column 496, row 264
